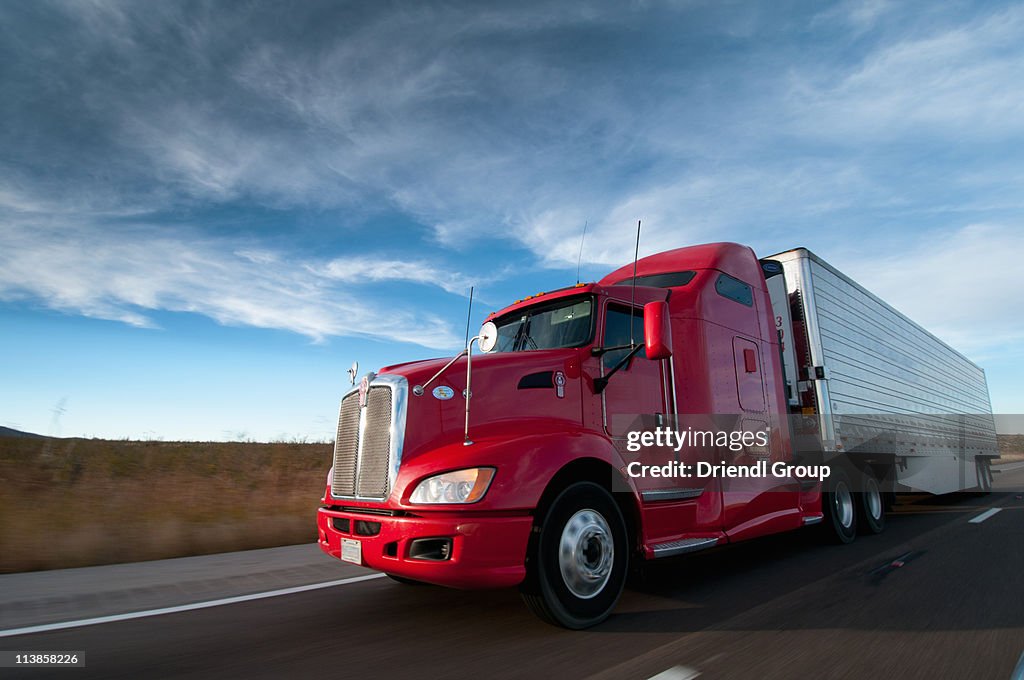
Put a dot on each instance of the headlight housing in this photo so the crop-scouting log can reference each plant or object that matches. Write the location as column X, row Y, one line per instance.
column 458, row 486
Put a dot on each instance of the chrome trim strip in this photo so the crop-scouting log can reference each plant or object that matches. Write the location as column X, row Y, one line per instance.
column 399, row 410
column 672, row 378
column 359, row 446
column 686, row 545
column 657, row 495
column 808, row 521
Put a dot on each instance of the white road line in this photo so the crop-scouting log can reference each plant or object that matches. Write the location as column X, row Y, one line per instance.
column 183, row 608
column 985, row 515
column 676, row 673
column 1018, row 672
column 1008, row 467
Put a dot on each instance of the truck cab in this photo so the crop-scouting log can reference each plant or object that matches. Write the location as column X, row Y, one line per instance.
column 513, row 467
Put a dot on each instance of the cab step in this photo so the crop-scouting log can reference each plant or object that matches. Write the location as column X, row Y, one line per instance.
column 682, row 546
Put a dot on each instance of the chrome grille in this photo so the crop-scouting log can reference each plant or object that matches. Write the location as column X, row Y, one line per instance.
column 346, row 448
column 374, row 460
column 365, row 455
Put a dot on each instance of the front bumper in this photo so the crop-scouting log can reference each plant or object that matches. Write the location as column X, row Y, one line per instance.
column 486, row 551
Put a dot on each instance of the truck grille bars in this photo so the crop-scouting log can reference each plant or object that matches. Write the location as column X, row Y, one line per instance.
column 368, row 448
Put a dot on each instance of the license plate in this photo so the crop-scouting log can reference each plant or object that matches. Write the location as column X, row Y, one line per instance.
column 351, row 551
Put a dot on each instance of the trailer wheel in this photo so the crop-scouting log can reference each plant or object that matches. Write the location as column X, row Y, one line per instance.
column 577, row 567
column 870, row 506
column 839, row 507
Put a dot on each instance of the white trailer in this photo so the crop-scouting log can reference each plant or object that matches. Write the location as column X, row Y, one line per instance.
column 877, row 385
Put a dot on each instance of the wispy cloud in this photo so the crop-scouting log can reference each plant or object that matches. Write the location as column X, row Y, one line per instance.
column 370, row 269
column 964, row 285
column 953, row 78
column 860, row 15
column 488, row 127
column 126, row 275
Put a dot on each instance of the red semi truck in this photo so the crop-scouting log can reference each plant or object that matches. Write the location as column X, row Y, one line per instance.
column 528, row 464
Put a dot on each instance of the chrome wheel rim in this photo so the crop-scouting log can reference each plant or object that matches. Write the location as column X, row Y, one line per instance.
column 586, row 553
column 873, row 497
column 842, row 502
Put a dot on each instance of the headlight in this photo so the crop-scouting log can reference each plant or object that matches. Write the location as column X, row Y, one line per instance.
column 458, row 486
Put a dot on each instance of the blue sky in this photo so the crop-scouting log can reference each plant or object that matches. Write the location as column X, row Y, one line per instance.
column 209, row 210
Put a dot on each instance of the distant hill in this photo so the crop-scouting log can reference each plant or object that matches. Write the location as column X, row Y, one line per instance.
column 10, row 432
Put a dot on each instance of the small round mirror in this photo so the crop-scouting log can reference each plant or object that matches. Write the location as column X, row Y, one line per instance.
column 353, row 372
column 488, row 337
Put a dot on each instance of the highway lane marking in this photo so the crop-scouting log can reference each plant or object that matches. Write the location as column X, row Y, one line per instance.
column 984, row 516
column 184, row 607
column 676, row 673
column 1007, row 467
column 1018, row 672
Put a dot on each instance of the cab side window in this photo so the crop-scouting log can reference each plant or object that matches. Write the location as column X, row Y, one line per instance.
column 735, row 290
column 616, row 333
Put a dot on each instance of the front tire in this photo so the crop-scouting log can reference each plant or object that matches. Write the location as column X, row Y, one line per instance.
column 577, row 566
column 837, row 503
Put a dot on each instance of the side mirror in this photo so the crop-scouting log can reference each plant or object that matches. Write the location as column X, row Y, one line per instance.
column 657, row 330
column 488, row 337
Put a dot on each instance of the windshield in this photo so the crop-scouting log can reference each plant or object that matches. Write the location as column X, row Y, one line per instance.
column 566, row 324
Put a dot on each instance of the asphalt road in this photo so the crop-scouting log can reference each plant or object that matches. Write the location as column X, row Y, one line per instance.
column 935, row 596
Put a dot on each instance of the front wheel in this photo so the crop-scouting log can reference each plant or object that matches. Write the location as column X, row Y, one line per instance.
column 577, row 566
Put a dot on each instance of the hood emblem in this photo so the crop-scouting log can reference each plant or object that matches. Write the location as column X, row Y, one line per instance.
column 364, row 389
column 559, row 384
column 443, row 392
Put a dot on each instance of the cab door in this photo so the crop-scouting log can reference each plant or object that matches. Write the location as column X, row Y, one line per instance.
column 639, row 397
column 636, row 395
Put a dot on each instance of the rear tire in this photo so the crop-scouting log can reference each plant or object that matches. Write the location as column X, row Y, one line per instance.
column 870, row 506
column 838, row 506
column 578, row 563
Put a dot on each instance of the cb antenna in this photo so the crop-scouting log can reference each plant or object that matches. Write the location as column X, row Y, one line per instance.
column 632, row 297
column 469, row 315
column 580, row 258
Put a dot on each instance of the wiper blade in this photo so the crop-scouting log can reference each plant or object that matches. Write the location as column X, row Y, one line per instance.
column 523, row 334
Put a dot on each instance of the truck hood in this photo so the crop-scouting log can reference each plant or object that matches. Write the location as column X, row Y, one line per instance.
column 509, row 390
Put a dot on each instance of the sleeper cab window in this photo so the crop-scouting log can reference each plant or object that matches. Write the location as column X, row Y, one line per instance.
column 734, row 289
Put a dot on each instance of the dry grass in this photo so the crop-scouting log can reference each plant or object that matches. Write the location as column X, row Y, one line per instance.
column 1011, row 448
column 78, row 502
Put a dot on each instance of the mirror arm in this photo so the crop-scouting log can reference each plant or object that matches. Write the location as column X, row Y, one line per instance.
column 418, row 389
column 599, row 351
column 602, row 382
